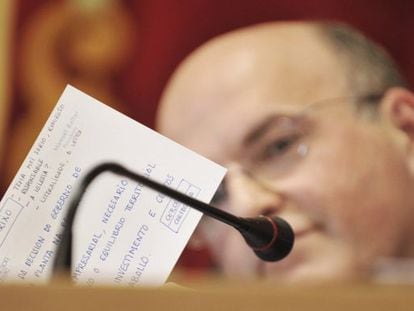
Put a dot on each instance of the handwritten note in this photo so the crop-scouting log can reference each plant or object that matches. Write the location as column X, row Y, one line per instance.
column 125, row 233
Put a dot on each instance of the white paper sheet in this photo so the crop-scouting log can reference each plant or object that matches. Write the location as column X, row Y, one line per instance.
column 125, row 234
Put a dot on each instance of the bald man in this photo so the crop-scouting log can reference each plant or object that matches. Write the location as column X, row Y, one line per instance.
column 315, row 125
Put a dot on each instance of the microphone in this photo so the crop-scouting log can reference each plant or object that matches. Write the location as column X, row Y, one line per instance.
column 271, row 238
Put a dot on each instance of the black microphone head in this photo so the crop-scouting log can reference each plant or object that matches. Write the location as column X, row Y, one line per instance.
column 282, row 244
column 271, row 238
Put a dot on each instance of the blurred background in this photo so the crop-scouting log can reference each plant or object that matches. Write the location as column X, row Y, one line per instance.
column 123, row 52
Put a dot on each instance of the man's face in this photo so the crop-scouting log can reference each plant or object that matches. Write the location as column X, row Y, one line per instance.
column 295, row 150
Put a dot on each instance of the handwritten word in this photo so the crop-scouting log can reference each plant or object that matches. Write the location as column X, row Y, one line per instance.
column 53, row 182
column 55, row 117
column 5, row 219
column 134, row 198
column 35, row 251
column 112, row 239
column 83, row 262
column 43, row 263
column 129, row 256
column 32, row 176
column 142, row 265
column 120, row 188
column 61, row 201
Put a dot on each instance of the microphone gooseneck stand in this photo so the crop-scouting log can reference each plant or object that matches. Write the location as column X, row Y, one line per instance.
column 271, row 238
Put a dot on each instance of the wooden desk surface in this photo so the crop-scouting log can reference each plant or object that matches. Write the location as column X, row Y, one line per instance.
column 212, row 296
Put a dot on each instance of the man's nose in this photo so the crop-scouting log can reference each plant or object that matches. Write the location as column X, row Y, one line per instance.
column 248, row 197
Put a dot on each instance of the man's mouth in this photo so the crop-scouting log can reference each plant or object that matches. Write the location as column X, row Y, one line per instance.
column 300, row 233
column 293, row 260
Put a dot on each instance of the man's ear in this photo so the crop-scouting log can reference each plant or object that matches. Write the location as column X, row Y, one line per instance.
column 397, row 106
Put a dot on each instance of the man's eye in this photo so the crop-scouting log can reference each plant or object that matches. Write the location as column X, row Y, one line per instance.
column 279, row 147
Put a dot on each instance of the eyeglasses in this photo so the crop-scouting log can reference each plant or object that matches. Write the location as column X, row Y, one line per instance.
column 279, row 145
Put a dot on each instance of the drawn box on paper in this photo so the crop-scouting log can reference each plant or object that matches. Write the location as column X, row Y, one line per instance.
column 8, row 216
column 175, row 212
